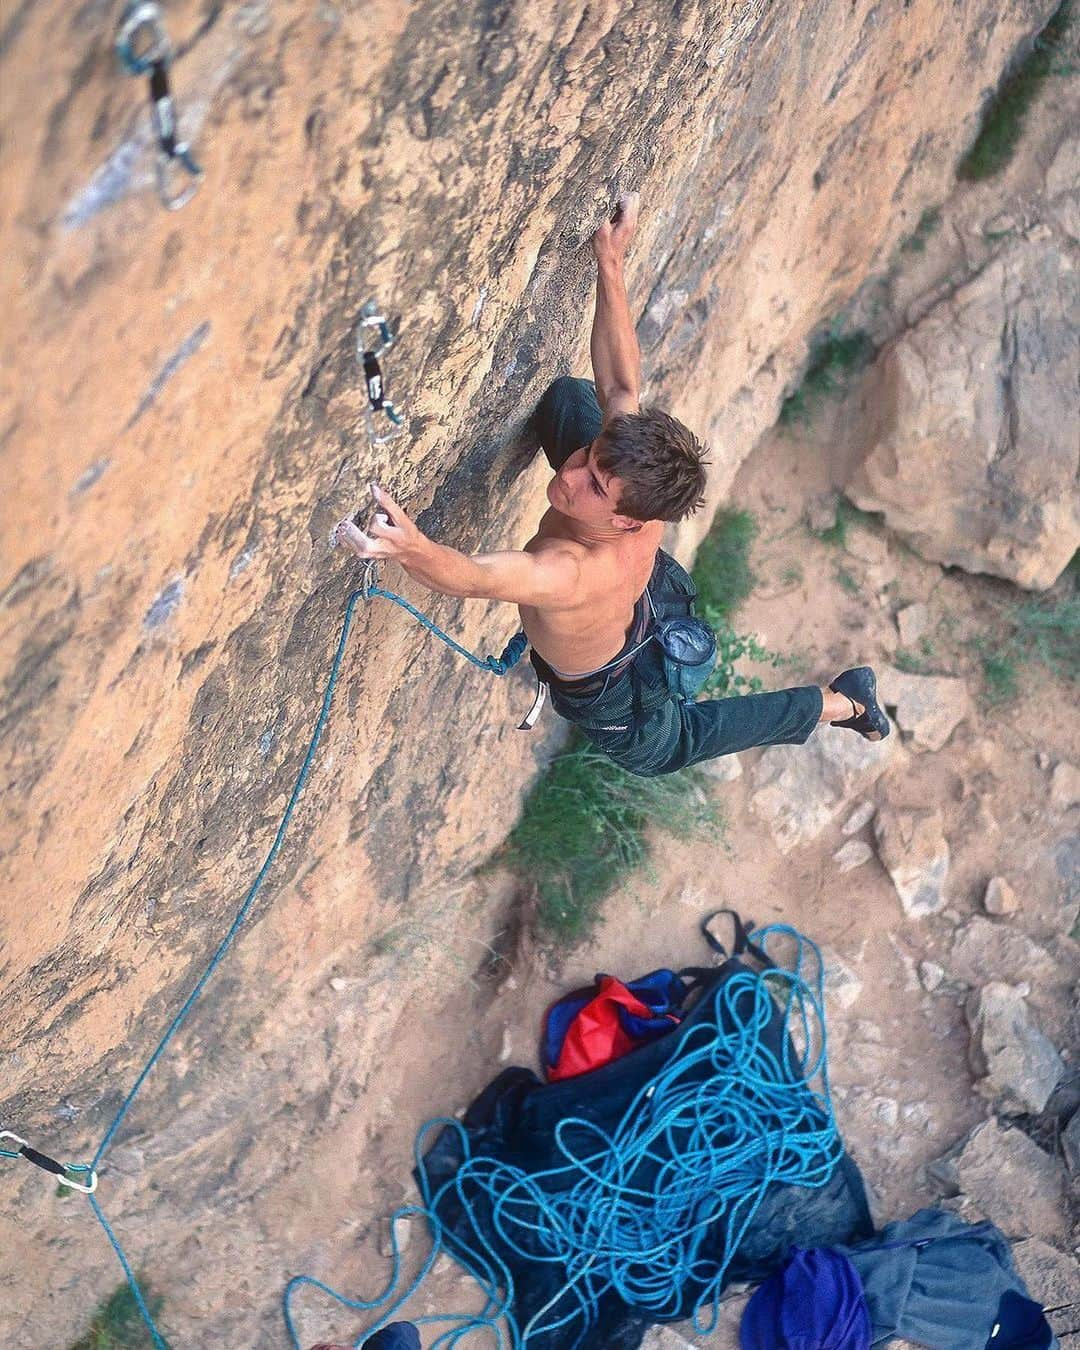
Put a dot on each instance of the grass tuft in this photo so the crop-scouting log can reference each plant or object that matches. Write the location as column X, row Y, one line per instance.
column 118, row 1324
column 1003, row 120
column 835, row 358
column 583, row 830
column 1045, row 631
column 847, row 514
column 928, row 223
column 722, row 571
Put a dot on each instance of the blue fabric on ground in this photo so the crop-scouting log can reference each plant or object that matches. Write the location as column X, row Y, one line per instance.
column 936, row 1280
column 397, row 1336
column 516, row 1121
column 815, row 1302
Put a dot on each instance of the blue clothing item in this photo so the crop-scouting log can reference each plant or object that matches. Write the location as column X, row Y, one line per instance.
column 936, row 1280
column 397, row 1336
column 814, row 1302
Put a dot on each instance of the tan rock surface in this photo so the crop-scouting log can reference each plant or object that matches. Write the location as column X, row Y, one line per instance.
column 182, row 423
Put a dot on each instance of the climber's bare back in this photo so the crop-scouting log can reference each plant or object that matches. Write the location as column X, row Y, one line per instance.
column 584, row 635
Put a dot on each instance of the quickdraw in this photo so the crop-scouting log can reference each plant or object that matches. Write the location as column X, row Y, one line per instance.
column 368, row 357
column 143, row 48
column 59, row 1170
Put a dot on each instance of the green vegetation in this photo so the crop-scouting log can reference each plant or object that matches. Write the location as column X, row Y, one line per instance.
column 847, row 514
column 725, row 578
column 1003, row 120
column 928, row 223
column 836, row 358
column 846, row 581
column 1044, row 631
column 722, row 572
column 118, row 1324
column 915, row 663
column 583, row 830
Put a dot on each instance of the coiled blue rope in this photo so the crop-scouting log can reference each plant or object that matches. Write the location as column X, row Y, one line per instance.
column 725, row 1119
column 499, row 666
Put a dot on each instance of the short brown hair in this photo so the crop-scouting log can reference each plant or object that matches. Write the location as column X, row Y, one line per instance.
column 661, row 463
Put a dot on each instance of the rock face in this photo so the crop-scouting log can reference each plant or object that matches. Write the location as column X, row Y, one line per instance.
column 914, row 851
column 183, row 422
column 929, row 708
column 798, row 790
column 974, row 455
column 1017, row 1063
column 1007, row 1178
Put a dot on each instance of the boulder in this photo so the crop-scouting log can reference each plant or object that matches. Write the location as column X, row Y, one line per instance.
column 928, row 707
column 852, row 854
column 1000, row 898
column 799, row 789
column 914, row 851
column 842, row 985
column 1051, row 1276
column 1070, row 1144
column 977, row 402
column 1018, row 1066
column 1006, row 1177
column 913, row 622
column 984, row 950
column 724, row 769
column 862, row 815
column 1065, row 785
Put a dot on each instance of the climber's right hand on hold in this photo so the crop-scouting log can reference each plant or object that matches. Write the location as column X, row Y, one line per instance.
column 612, row 239
column 390, row 534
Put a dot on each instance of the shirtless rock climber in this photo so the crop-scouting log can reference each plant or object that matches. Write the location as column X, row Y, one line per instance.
column 595, row 591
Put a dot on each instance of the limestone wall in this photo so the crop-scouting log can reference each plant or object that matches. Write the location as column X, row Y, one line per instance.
column 182, row 424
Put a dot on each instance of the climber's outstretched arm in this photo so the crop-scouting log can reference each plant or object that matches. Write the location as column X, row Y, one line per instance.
column 550, row 579
column 616, row 357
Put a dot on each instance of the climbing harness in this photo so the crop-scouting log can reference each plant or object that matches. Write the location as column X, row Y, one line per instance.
column 368, row 355
column 143, row 48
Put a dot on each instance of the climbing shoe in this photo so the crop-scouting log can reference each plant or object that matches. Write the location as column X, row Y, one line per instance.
column 860, row 686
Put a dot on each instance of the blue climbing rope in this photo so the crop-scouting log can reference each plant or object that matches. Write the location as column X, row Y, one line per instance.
column 497, row 665
column 725, row 1118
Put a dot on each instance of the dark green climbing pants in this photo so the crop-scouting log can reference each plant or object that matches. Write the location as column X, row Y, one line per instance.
column 632, row 716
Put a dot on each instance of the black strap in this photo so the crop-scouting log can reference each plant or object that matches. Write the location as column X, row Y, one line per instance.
column 43, row 1161
column 743, row 942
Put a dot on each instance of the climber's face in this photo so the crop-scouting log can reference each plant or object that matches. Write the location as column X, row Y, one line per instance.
column 587, row 493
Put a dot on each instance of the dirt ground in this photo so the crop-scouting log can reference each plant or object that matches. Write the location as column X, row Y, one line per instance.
column 898, row 1055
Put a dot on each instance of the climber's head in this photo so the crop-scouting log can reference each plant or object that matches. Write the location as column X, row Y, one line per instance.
column 642, row 466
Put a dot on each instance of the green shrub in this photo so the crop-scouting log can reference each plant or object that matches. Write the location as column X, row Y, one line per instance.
column 118, row 1324
column 835, row 359
column 847, row 513
column 1045, row 631
column 583, row 830
column 722, row 571
column 928, row 223
column 1003, row 120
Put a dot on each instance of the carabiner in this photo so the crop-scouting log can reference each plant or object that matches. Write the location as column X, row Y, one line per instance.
column 165, row 169
column 58, row 1170
column 141, row 39
column 368, row 357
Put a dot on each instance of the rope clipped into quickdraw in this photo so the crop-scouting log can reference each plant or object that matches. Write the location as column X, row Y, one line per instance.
column 514, row 650
column 727, row 1116
column 143, row 48
column 368, row 355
